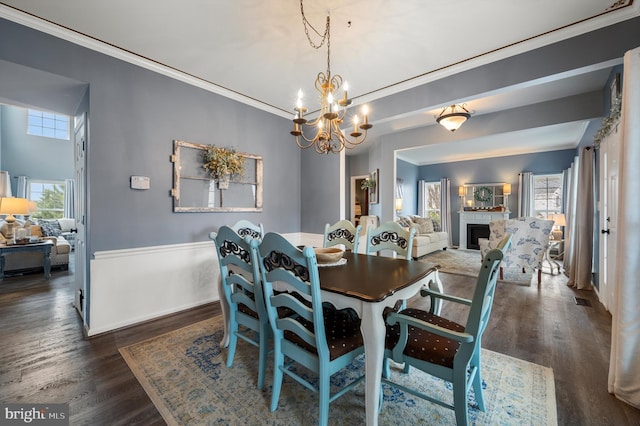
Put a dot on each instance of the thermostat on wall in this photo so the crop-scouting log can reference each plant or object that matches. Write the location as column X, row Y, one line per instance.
column 140, row 182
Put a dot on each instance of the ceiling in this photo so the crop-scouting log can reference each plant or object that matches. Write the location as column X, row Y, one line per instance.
column 256, row 51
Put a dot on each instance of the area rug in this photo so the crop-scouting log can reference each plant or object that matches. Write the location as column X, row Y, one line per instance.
column 467, row 263
column 184, row 374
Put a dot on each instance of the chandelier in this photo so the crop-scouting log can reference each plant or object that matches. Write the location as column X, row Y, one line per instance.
column 328, row 137
column 455, row 118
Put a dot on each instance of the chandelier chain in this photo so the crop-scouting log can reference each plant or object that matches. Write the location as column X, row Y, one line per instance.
column 307, row 25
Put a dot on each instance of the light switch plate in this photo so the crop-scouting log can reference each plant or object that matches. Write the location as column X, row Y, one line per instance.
column 140, row 182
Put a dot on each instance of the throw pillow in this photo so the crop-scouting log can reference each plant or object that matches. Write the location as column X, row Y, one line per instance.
column 49, row 230
column 36, row 231
column 436, row 226
column 404, row 221
column 425, row 224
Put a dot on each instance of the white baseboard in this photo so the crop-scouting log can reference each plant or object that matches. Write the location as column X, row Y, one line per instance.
column 135, row 285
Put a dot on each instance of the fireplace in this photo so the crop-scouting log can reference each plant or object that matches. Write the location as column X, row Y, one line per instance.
column 475, row 231
column 475, row 218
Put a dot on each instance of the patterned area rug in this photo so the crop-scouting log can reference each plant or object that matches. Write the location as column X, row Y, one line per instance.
column 184, row 374
column 467, row 263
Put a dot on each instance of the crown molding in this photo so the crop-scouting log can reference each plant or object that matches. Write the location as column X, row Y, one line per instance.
column 124, row 55
column 628, row 11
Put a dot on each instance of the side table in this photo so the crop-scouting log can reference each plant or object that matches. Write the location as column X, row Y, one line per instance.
column 552, row 259
column 44, row 247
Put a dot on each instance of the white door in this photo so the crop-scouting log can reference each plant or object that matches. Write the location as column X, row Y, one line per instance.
column 609, row 183
column 80, row 291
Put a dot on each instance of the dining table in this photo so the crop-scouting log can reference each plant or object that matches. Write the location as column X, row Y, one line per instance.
column 368, row 284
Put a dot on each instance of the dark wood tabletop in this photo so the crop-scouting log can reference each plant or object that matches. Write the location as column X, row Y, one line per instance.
column 372, row 278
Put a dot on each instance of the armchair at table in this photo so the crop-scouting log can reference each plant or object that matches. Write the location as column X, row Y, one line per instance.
column 443, row 348
column 529, row 244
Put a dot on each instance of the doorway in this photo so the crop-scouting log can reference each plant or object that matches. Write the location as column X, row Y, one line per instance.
column 359, row 205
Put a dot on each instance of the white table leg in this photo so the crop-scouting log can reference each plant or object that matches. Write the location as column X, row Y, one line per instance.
column 373, row 334
column 436, row 285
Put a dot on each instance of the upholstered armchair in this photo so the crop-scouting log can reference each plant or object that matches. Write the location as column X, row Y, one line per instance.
column 529, row 243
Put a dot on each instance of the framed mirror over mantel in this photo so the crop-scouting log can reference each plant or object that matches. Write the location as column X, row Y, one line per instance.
column 484, row 196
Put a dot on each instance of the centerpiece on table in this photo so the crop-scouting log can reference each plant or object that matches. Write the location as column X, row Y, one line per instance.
column 222, row 163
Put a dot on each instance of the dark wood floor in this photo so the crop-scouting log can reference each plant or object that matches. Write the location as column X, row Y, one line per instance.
column 44, row 357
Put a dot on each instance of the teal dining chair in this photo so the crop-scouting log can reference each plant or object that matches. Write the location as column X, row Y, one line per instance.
column 342, row 232
column 443, row 348
column 247, row 317
column 390, row 236
column 244, row 227
column 323, row 341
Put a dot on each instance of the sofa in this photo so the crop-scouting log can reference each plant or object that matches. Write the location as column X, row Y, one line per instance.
column 15, row 262
column 429, row 237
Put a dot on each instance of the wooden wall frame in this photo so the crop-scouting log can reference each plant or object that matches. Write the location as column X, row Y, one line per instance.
column 195, row 191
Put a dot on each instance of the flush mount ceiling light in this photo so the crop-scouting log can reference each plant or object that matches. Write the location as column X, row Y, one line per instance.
column 454, row 118
column 328, row 136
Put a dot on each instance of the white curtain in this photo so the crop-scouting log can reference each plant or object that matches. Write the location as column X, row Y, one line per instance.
column 624, row 367
column 445, row 207
column 69, row 197
column 525, row 194
column 570, row 212
column 581, row 251
column 422, row 196
column 23, row 185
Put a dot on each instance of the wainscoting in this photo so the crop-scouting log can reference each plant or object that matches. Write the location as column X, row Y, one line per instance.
column 134, row 285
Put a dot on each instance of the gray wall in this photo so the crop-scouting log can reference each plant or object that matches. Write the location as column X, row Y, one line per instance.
column 502, row 169
column 33, row 156
column 409, row 174
column 321, row 194
column 135, row 115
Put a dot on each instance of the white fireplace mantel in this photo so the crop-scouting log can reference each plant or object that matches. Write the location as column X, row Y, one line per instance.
column 476, row 218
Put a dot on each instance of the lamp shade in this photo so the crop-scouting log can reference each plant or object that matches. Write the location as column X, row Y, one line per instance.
column 461, row 191
column 11, row 206
column 398, row 204
column 559, row 219
column 506, row 189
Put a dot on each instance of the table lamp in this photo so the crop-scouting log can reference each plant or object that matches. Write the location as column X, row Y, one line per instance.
column 462, row 191
column 11, row 206
column 506, row 190
column 559, row 220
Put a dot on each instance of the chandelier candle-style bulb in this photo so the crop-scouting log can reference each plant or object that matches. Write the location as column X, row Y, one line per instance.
column 356, row 132
column 345, row 101
column 365, row 125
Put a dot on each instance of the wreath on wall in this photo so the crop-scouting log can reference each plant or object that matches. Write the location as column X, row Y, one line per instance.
column 483, row 194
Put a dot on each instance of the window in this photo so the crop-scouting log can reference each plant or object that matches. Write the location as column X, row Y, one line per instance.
column 547, row 195
column 49, row 125
column 432, row 200
column 49, row 198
